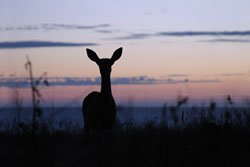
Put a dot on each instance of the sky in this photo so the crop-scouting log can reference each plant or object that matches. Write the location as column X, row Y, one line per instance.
column 198, row 49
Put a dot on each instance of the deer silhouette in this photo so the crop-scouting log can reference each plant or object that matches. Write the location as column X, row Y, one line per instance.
column 99, row 108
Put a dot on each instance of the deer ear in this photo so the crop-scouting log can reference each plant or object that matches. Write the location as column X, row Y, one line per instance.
column 116, row 55
column 92, row 55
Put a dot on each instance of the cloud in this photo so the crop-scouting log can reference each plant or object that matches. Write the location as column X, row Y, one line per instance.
column 23, row 28
column 232, row 74
column 104, row 31
column 135, row 36
column 141, row 80
column 204, row 81
column 205, row 33
column 178, row 75
column 227, row 40
column 185, row 34
column 71, row 26
column 49, row 27
column 77, row 81
column 36, row 44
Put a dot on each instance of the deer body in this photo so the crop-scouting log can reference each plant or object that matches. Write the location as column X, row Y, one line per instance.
column 99, row 108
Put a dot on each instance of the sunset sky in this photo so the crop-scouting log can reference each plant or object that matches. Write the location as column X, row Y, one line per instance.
column 194, row 48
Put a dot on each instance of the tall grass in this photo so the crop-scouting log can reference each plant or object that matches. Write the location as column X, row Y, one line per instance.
column 205, row 141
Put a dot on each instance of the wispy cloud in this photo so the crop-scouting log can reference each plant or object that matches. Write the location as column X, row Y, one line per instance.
column 227, row 40
column 69, row 81
column 178, row 75
column 72, row 27
column 232, row 74
column 105, row 31
column 134, row 36
column 205, row 33
column 36, row 44
column 49, row 27
column 186, row 34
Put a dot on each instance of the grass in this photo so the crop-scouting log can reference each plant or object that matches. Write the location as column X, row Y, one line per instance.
column 205, row 141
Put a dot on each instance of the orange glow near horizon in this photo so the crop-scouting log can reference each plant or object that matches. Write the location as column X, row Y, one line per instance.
column 138, row 94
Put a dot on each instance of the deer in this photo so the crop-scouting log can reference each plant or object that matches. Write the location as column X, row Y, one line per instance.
column 99, row 108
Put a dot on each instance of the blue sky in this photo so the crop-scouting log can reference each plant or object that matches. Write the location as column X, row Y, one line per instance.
column 122, row 17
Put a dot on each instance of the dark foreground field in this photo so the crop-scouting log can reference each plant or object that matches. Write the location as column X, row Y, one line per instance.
column 206, row 141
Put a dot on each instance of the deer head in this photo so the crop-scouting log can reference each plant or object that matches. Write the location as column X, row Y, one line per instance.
column 104, row 64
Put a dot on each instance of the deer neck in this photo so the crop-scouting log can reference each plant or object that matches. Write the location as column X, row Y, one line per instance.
column 106, row 85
